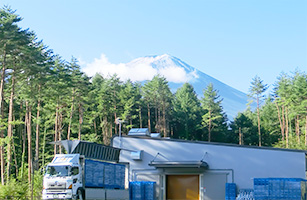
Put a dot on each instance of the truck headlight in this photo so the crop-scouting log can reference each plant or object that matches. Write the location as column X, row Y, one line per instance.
column 70, row 187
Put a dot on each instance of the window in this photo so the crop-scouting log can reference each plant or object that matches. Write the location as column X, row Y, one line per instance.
column 74, row 171
column 57, row 171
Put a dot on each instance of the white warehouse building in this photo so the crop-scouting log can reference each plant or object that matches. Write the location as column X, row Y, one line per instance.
column 199, row 170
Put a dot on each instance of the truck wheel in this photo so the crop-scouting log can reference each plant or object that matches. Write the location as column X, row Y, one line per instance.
column 80, row 195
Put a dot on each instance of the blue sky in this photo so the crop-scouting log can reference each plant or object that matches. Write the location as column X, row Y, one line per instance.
column 230, row 40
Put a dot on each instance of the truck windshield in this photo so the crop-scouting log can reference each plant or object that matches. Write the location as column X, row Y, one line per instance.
column 57, row 170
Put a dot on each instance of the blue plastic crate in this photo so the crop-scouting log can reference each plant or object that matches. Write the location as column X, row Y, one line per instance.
column 136, row 190
column 230, row 191
column 94, row 173
column 120, row 176
column 109, row 172
column 142, row 190
column 150, row 190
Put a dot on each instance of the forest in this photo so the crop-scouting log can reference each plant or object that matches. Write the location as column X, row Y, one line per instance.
column 44, row 98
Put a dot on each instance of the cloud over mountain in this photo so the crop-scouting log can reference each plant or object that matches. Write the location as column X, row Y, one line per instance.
column 140, row 69
column 176, row 72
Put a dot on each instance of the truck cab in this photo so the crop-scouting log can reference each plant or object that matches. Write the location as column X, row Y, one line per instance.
column 64, row 178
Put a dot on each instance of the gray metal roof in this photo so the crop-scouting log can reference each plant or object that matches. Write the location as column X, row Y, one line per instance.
column 216, row 143
column 90, row 150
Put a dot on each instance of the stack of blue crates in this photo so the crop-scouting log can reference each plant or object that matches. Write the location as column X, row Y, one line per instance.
column 109, row 171
column 94, row 174
column 142, row 190
column 104, row 175
column 150, row 190
column 136, row 190
column 279, row 189
column 230, row 191
column 261, row 188
column 120, row 176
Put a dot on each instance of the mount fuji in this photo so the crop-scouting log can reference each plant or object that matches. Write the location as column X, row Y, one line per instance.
column 178, row 72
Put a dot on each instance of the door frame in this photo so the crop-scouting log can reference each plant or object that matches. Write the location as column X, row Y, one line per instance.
column 163, row 182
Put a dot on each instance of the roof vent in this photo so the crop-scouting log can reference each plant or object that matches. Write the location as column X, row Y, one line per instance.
column 139, row 132
column 155, row 135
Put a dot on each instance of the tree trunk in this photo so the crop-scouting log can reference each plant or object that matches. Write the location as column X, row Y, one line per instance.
column 80, row 120
column 104, row 130
column 287, row 129
column 44, row 146
column 158, row 123
column 297, row 129
column 156, row 114
column 209, row 127
column 24, row 138
column 2, row 113
column 28, row 123
column 10, row 129
column 282, row 130
column 115, row 115
column 110, row 129
column 15, row 157
column 164, row 120
column 140, row 116
column 240, row 136
column 60, row 129
column 37, row 132
column 283, row 119
column 258, row 117
column 56, row 129
column 148, row 114
column 71, row 114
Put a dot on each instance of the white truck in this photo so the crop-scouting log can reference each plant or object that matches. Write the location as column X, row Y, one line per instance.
column 73, row 176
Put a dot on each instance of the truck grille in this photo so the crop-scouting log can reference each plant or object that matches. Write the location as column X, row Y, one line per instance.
column 56, row 185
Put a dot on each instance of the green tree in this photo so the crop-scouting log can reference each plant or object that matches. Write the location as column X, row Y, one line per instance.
column 282, row 91
column 187, row 113
column 157, row 96
column 269, row 123
column 130, row 96
column 9, row 34
column 214, row 116
column 242, row 130
column 256, row 93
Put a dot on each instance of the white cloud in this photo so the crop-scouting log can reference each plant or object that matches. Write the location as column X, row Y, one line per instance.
column 174, row 74
column 136, row 71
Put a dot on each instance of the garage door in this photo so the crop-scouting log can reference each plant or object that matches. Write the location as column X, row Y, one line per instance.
column 182, row 187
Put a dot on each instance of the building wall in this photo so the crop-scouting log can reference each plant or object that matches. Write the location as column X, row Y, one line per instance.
column 237, row 164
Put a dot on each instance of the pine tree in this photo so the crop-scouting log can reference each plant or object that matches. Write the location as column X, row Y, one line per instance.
column 130, row 101
column 9, row 33
column 256, row 92
column 187, row 113
column 242, row 130
column 214, row 116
